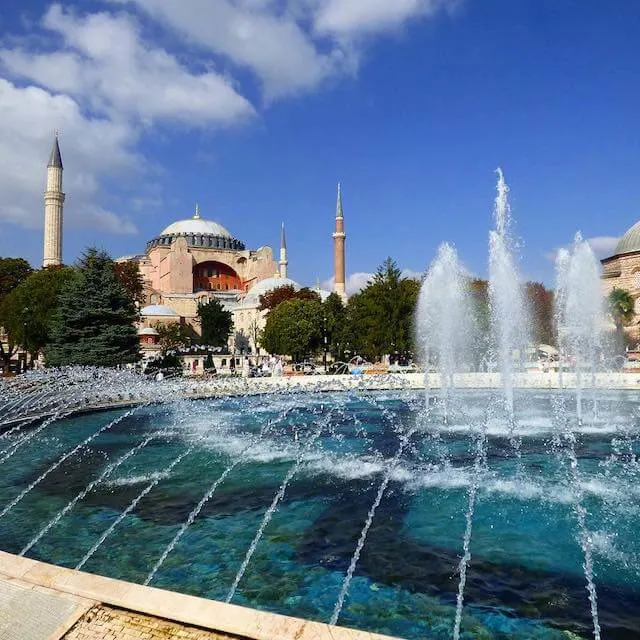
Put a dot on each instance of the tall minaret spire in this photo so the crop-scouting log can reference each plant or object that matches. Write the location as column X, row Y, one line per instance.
column 339, row 238
column 284, row 263
column 53, row 205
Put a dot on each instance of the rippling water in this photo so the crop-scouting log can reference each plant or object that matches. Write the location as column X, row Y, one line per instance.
column 525, row 578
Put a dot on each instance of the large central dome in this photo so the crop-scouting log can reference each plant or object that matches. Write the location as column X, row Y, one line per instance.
column 198, row 233
column 196, row 226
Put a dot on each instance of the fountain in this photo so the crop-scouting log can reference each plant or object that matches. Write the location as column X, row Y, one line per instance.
column 450, row 504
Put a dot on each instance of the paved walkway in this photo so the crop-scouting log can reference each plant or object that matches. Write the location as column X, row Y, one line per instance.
column 28, row 613
column 105, row 623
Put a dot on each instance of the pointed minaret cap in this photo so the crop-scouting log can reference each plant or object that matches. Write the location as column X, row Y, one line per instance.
column 55, row 159
column 339, row 203
column 196, row 215
column 283, row 240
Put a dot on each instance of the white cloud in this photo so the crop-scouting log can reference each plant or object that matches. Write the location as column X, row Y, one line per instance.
column 359, row 280
column 100, row 79
column 352, row 17
column 603, row 247
column 411, row 274
column 290, row 46
column 106, row 64
column 91, row 148
column 97, row 80
column 255, row 35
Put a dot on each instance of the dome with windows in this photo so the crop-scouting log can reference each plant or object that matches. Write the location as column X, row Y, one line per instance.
column 196, row 226
column 198, row 232
column 630, row 241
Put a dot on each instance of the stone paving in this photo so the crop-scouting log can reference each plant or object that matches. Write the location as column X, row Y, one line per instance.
column 34, row 614
column 108, row 623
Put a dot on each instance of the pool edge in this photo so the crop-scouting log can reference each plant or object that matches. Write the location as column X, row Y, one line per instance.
column 234, row 620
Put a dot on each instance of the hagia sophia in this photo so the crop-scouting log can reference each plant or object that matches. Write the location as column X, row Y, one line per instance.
column 193, row 260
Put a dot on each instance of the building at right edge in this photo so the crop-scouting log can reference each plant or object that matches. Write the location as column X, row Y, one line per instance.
column 622, row 271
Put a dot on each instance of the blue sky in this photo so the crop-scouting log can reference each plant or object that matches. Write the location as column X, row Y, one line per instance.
column 256, row 108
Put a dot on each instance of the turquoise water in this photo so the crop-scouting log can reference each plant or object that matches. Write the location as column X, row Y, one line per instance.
column 525, row 579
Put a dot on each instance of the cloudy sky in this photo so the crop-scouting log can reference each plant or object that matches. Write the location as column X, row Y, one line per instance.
column 256, row 108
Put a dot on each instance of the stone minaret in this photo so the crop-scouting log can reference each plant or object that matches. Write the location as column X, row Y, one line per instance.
column 53, row 202
column 339, row 237
column 284, row 263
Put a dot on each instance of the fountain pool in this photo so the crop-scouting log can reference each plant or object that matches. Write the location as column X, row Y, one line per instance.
column 263, row 500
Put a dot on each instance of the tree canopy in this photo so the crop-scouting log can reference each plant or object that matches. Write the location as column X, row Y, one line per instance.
column 128, row 273
column 172, row 335
column 273, row 298
column 620, row 304
column 380, row 317
column 216, row 323
column 241, row 342
column 13, row 271
column 294, row 328
column 94, row 322
column 29, row 308
column 540, row 302
column 334, row 316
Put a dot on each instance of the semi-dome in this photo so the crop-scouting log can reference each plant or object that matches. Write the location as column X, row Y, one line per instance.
column 266, row 285
column 148, row 331
column 158, row 310
column 630, row 241
column 269, row 284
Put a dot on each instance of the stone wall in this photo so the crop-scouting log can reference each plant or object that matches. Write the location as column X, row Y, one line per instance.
column 108, row 623
column 623, row 272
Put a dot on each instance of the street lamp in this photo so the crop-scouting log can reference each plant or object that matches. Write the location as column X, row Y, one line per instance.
column 324, row 339
column 25, row 311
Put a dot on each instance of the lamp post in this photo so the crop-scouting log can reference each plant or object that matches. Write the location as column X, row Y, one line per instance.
column 324, row 340
column 25, row 311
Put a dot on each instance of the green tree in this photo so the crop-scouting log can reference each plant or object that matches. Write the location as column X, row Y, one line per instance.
column 13, row 271
column 216, row 323
column 294, row 328
column 481, row 320
column 621, row 307
column 254, row 334
column 539, row 300
column 241, row 343
column 380, row 317
column 128, row 273
column 172, row 335
column 334, row 318
column 273, row 298
column 26, row 311
column 94, row 323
